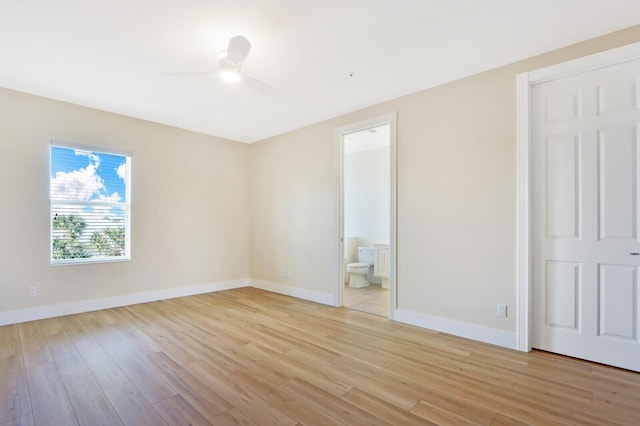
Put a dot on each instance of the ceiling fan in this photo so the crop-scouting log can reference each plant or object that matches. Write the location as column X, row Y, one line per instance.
column 230, row 63
column 232, row 59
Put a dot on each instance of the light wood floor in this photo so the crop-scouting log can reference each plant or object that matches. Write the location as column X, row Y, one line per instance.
column 372, row 299
column 250, row 357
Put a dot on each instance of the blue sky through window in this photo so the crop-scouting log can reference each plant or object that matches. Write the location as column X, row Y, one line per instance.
column 87, row 176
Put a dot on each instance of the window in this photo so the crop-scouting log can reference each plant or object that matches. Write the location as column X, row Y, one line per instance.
column 90, row 205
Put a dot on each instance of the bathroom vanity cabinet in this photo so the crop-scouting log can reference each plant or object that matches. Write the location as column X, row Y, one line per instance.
column 381, row 263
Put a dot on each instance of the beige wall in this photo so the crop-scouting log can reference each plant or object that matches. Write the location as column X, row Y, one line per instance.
column 293, row 210
column 456, row 195
column 190, row 206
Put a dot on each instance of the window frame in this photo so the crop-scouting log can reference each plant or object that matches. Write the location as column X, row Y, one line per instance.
column 125, row 205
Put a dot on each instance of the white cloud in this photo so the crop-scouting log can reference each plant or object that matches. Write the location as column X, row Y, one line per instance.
column 94, row 158
column 81, row 184
column 115, row 197
column 121, row 171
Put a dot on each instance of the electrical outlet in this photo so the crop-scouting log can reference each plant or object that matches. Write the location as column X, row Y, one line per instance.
column 33, row 291
column 502, row 310
column 284, row 273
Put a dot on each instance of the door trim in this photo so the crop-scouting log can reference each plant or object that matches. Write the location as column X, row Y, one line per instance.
column 339, row 134
column 524, row 208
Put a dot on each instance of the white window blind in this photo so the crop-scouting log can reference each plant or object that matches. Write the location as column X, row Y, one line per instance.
column 90, row 206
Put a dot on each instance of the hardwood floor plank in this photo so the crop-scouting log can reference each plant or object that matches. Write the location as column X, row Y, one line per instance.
column 249, row 357
column 224, row 338
column 9, row 341
column 615, row 399
column 143, row 375
column 456, row 403
column 613, row 410
column 296, row 333
column 152, row 314
column 181, row 347
column 250, row 404
column 90, row 404
column 231, row 418
column 299, row 340
column 604, row 372
column 110, row 330
column 132, row 407
column 333, row 406
column 176, row 411
column 49, row 400
column 440, row 416
column 20, row 421
column 193, row 390
column 297, row 364
column 313, row 374
column 501, row 420
column 51, row 326
column 505, row 402
column 224, row 356
column 64, row 353
column 34, row 347
column 105, row 370
column 377, row 382
column 284, row 400
column 138, row 370
column 541, row 390
column 14, row 394
column 420, row 372
column 382, row 409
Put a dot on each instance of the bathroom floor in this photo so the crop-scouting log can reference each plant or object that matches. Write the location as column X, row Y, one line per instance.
column 372, row 299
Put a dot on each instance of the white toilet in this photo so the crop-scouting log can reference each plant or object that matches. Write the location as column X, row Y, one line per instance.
column 358, row 272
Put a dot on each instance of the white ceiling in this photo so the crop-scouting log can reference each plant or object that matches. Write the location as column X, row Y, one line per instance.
column 125, row 56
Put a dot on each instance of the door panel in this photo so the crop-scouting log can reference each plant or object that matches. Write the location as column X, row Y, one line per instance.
column 618, row 177
column 563, row 295
column 615, row 97
column 586, row 187
column 563, row 108
column 563, row 186
column 619, row 302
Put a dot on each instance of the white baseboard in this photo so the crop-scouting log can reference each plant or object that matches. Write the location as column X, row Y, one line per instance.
column 50, row 311
column 301, row 293
column 456, row 328
column 493, row 336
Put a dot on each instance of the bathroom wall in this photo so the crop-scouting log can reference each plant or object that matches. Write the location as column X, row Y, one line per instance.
column 366, row 195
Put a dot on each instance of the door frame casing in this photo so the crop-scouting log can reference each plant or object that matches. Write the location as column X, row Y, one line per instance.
column 339, row 134
column 524, row 232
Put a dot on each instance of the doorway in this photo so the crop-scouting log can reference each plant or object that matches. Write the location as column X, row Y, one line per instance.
column 366, row 278
column 579, row 238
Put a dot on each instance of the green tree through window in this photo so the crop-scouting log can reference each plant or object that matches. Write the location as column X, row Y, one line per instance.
column 67, row 244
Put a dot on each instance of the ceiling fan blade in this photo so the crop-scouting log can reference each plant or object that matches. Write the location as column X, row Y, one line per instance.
column 238, row 50
column 259, row 86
